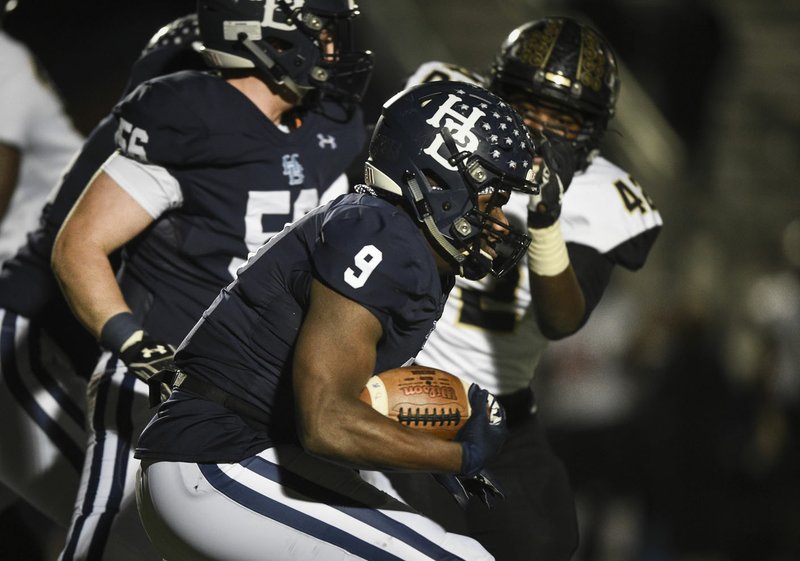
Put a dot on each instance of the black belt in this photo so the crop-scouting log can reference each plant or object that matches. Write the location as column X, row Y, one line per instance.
column 251, row 414
column 518, row 405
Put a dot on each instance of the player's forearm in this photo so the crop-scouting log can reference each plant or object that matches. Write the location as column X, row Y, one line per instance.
column 365, row 439
column 558, row 303
column 558, row 300
column 88, row 282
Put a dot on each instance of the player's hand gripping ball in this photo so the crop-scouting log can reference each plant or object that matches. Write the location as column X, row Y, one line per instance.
column 421, row 398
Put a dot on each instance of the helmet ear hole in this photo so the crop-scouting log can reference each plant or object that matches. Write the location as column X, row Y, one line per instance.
column 436, row 182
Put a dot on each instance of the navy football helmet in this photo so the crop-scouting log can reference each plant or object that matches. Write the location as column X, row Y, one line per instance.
column 564, row 65
column 435, row 149
column 182, row 31
column 298, row 46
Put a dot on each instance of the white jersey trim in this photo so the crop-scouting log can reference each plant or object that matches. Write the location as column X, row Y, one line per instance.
column 150, row 185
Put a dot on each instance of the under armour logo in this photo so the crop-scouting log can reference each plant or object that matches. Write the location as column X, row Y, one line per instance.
column 292, row 169
column 326, row 140
column 460, row 126
column 148, row 352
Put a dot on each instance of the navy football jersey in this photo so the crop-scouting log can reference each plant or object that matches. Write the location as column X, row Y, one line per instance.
column 360, row 246
column 27, row 285
column 234, row 179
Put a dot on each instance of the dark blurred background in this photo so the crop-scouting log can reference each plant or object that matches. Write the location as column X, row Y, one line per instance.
column 676, row 408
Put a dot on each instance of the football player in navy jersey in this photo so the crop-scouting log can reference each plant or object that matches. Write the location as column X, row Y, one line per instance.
column 209, row 165
column 252, row 456
column 46, row 357
column 561, row 75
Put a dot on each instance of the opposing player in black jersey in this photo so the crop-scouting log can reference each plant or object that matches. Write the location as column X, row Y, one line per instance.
column 45, row 355
column 209, row 166
column 252, row 455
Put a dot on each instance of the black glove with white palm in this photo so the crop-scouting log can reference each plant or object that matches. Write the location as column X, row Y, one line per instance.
column 553, row 177
column 146, row 358
column 481, row 438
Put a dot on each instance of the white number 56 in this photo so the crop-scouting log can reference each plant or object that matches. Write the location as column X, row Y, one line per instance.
column 365, row 261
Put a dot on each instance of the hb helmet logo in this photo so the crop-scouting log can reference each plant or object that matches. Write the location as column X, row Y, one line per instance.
column 460, row 126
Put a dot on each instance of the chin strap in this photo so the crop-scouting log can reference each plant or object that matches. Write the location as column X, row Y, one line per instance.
column 270, row 67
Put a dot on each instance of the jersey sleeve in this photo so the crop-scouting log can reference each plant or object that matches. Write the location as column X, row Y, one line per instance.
column 607, row 210
column 157, row 125
column 378, row 259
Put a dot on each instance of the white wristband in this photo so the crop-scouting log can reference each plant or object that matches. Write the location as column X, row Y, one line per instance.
column 547, row 254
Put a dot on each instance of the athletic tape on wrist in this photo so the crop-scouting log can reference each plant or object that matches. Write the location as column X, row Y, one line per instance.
column 121, row 331
column 547, row 253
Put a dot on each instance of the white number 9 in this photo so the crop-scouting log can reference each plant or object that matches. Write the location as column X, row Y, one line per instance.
column 366, row 260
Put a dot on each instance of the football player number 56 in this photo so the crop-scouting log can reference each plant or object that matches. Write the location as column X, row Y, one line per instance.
column 365, row 260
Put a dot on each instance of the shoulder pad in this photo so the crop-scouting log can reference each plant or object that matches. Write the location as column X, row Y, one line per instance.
column 171, row 120
column 373, row 253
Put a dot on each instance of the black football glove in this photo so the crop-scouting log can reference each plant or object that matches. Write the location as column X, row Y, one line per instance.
column 553, row 177
column 462, row 487
column 484, row 433
column 147, row 359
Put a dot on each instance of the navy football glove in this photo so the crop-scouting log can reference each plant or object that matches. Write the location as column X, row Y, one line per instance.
column 484, row 433
column 553, row 177
column 462, row 488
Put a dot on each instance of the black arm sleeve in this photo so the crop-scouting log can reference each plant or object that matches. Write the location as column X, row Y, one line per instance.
column 593, row 271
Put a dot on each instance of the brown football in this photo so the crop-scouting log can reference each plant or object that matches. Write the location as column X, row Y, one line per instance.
column 421, row 398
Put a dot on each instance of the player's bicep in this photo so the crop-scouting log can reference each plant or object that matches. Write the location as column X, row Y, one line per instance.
column 105, row 217
column 334, row 356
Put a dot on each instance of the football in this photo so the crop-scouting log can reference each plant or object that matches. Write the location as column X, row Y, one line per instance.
column 421, row 398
